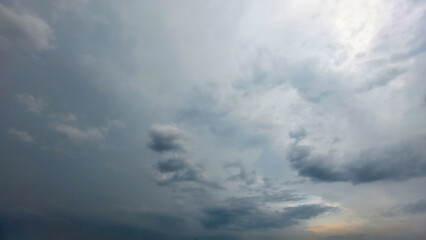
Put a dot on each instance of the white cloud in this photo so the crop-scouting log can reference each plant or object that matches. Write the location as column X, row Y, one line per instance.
column 21, row 136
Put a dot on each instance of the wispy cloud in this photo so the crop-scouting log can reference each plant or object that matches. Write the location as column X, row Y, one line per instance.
column 21, row 136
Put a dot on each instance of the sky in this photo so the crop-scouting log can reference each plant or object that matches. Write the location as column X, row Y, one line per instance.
column 242, row 119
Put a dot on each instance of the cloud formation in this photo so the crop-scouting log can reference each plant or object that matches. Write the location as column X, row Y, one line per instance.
column 20, row 30
column 263, row 100
column 394, row 163
column 165, row 138
column 66, row 125
column 31, row 103
column 174, row 166
column 33, row 225
column 237, row 216
column 78, row 135
column 239, row 173
column 21, row 136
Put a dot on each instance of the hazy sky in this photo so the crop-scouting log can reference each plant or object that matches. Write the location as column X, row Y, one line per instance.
column 294, row 120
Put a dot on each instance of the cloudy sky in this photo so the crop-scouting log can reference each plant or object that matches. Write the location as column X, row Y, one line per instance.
column 191, row 119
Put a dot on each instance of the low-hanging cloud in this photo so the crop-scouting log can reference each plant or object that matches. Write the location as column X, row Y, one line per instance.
column 178, row 169
column 394, row 163
column 174, row 166
column 164, row 138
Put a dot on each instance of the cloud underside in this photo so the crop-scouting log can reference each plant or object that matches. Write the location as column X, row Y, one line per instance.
column 165, row 138
column 152, row 224
column 247, row 217
column 22, row 225
column 396, row 164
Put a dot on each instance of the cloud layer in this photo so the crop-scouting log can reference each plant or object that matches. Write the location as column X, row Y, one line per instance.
column 212, row 120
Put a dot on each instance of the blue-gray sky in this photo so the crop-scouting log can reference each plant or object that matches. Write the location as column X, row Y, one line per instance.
column 213, row 119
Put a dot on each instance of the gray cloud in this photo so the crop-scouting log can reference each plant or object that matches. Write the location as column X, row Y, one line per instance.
column 67, row 118
column 315, row 167
column 152, row 62
column 415, row 208
column 20, row 30
column 174, row 166
column 164, row 138
column 78, row 135
column 175, row 170
column 277, row 197
column 241, row 174
column 203, row 110
column 391, row 163
column 31, row 103
column 298, row 134
column 265, row 197
column 62, row 125
column 20, row 135
column 139, row 225
column 238, row 216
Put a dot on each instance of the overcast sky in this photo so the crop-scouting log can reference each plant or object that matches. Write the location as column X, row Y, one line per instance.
column 294, row 120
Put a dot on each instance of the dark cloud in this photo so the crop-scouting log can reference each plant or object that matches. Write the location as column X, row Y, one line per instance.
column 174, row 170
column 175, row 166
column 393, row 163
column 172, row 165
column 314, row 167
column 239, row 216
column 142, row 225
column 164, row 138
